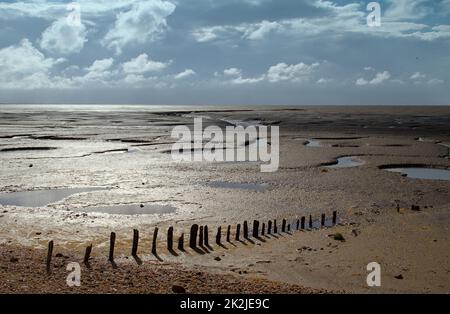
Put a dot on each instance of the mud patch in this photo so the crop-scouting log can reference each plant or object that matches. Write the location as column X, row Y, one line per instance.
column 242, row 186
column 130, row 209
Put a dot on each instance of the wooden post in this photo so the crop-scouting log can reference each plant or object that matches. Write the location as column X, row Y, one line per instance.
column 135, row 242
column 245, row 230
column 200, row 236
column 289, row 227
column 87, row 254
column 49, row 256
column 228, row 233
column 255, row 228
column 206, row 236
column 263, row 228
column 283, row 226
column 219, row 235
column 193, row 236
column 302, row 223
column 275, row 228
column 112, row 242
column 155, row 236
column 298, row 224
column 269, row 227
column 322, row 221
column 181, row 242
column 170, row 238
column 310, row 222
column 238, row 232
column 334, row 217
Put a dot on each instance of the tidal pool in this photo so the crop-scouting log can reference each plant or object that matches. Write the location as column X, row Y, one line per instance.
column 130, row 209
column 346, row 162
column 313, row 143
column 40, row 198
column 423, row 173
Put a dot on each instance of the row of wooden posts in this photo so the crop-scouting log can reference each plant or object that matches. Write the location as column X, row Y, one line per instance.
column 199, row 236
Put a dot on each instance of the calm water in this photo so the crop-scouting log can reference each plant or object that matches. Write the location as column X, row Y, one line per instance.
column 347, row 162
column 40, row 198
column 313, row 143
column 133, row 209
column 424, row 173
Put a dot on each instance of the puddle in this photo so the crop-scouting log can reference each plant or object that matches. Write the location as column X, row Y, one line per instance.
column 423, row 173
column 243, row 186
column 133, row 209
column 346, row 162
column 313, row 143
column 40, row 198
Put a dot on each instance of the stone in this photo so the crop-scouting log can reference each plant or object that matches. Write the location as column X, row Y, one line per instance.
column 178, row 289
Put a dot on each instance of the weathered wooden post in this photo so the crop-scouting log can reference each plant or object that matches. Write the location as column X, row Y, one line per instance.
column 289, row 227
column 255, row 228
column 49, row 256
column 200, row 236
column 206, row 236
column 155, row 237
column 193, row 236
column 269, row 227
column 228, row 233
column 112, row 242
column 310, row 222
column 322, row 220
column 283, row 225
column 334, row 217
column 135, row 242
column 87, row 255
column 275, row 228
column 245, row 230
column 238, row 232
column 181, row 242
column 170, row 239
column 263, row 231
column 219, row 236
column 298, row 224
column 302, row 223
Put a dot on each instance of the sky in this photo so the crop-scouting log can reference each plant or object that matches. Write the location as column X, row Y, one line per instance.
column 219, row 52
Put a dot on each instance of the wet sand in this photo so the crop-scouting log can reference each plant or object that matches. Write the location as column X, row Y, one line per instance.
column 122, row 152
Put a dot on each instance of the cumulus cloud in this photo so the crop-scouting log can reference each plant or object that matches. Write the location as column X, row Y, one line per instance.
column 184, row 74
column 417, row 76
column 232, row 72
column 293, row 72
column 24, row 67
column 142, row 64
column 377, row 80
column 60, row 37
column 260, row 30
column 142, row 23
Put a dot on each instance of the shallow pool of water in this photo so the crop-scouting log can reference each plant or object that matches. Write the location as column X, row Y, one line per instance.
column 313, row 143
column 234, row 185
column 40, row 198
column 346, row 162
column 424, row 173
column 133, row 209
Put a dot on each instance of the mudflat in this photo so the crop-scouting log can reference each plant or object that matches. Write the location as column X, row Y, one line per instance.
column 100, row 169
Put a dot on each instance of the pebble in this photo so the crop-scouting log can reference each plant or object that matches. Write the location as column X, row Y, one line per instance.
column 178, row 289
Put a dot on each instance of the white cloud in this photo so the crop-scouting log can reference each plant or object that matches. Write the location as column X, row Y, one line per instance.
column 377, row 80
column 24, row 67
column 435, row 82
column 142, row 64
column 60, row 37
column 144, row 22
column 417, row 76
column 101, row 65
column 184, row 74
column 232, row 72
column 361, row 82
column 324, row 81
column 369, row 68
column 294, row 72
column 260, row 30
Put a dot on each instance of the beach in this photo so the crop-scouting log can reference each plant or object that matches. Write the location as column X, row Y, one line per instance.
column 112, row 171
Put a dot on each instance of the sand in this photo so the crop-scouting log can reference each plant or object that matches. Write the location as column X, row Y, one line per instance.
column 123, row 152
